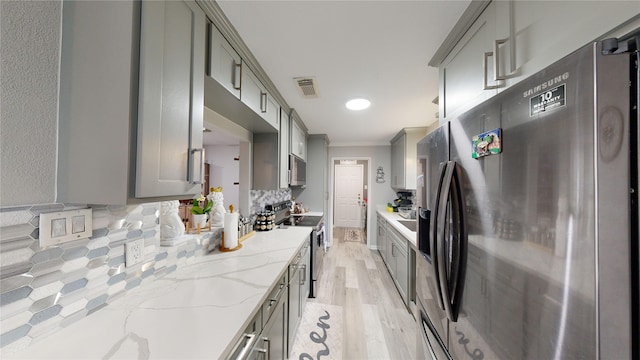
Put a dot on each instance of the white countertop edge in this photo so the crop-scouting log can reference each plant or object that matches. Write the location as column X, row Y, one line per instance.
column 393, row 218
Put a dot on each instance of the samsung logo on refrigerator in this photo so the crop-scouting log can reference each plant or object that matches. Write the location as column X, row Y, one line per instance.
column 545, row 85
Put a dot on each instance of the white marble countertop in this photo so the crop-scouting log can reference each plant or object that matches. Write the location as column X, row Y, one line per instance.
column 198, row 311
column 393, row 218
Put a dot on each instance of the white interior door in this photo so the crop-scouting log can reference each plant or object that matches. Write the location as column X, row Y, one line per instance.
column 348, row 194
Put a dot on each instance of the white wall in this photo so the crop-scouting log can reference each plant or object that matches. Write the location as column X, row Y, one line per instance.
column 379, row 193
column 29, row 67
column 224, row 171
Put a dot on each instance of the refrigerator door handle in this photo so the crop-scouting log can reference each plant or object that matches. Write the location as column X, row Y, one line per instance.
column 424, row 216
column 433, row 235
column 440, row 234
column 451, row 281
column 459, row 261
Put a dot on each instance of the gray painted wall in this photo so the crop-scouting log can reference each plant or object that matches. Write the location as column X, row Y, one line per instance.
column 225, row 171
column 29, row 67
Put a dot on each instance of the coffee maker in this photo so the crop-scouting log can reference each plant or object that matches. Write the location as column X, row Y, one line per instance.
column 404, row 200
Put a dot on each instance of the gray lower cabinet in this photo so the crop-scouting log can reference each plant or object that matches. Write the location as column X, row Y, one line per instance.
column 399, row 262
column 294, row 301
column 273, row 340
column 271, row 333
column 270, row 340
column 394, row 251
column 132, row 83
column 299, row 287
column 381, row 237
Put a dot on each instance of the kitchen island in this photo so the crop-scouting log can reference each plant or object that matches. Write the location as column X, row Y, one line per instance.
column 198, row 311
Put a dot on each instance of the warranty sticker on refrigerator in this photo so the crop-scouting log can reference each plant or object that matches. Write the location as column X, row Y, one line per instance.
column 548, row 100
column 487, row 143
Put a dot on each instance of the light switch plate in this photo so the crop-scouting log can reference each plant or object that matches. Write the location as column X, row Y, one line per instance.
column 64, row 226
column 134, row 252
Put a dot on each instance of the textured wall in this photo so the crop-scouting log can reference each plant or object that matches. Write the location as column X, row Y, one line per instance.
column 29, row 62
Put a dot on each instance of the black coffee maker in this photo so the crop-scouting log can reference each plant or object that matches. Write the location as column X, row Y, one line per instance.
column 405, row 199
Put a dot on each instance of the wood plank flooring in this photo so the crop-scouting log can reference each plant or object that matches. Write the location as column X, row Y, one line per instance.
column 376, row 323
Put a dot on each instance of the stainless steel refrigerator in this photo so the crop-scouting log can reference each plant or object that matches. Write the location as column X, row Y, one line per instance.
column 528, row 217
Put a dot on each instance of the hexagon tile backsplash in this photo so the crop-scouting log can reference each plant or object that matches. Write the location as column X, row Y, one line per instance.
column 43, row 289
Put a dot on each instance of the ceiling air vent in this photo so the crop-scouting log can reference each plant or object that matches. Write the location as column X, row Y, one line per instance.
column 307, row 86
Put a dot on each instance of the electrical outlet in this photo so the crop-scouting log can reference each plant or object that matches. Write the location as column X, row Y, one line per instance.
column 134, row 252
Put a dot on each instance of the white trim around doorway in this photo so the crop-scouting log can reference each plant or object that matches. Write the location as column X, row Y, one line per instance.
column 329, row 218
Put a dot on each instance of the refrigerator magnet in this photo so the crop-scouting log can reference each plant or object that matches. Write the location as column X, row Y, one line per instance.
column 487, row 143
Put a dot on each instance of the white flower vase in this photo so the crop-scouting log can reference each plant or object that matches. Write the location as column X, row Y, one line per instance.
column 200, row 219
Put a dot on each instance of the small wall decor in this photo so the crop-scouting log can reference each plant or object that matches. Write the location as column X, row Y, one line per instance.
column 380, row 175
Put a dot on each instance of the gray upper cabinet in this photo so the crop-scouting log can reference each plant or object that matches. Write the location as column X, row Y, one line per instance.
column 298, row 138
column 316, row 196
column 271, row 156
column 284, row 148
column 466, row 74
column 499, row 43
column 540, row 38
column 225, row 65
column 131, row 101
column 271, row 112
column 256, row 97
column 403, row 158
column 170, row 111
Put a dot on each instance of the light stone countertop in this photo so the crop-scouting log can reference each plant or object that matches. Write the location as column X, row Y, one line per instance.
column 198, row 311
column 393, row 218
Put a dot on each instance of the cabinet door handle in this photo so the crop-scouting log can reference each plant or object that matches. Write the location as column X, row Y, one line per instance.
column 304, row 274
column 263, row 102
column 237, row 75
column 190, row 175
column 392, row 248
column 485, row 70
column 266, row 340
column 251, row 338
column 496, row 62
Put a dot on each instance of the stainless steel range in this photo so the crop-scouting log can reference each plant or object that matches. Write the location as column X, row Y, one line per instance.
column 318, row 246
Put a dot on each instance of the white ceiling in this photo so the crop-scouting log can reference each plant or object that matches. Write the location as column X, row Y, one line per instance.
column 373, row 49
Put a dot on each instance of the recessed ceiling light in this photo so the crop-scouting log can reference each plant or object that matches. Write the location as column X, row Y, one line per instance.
column 358, row 104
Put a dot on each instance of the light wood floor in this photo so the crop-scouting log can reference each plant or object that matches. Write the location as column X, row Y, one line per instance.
column 376, row 323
